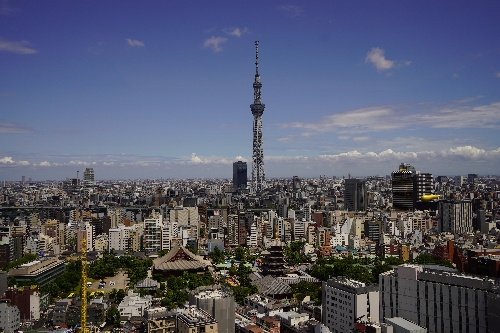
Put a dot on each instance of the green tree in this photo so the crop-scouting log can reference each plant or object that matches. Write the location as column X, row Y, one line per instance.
column 240, row 292
column 113, row 316
column 239, row 253
column 192, row 249
column 379, row 269
column 120, row 295
column 307, row 288
column 29, row 257
column 394, row 261
column 217, row 256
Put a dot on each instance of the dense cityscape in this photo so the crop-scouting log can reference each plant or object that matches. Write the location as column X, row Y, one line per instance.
column 401, row 247
column 304, row 254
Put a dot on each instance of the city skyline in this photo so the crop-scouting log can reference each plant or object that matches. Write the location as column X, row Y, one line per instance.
column 161, row 90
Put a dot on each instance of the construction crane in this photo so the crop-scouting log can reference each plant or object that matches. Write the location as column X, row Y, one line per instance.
column 83, row 313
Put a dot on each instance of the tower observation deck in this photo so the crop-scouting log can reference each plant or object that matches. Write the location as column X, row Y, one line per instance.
column 258, row 177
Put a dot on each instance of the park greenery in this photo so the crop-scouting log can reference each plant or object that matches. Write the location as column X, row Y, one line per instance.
column 109, row 265
column 67, row 282
column 178, row 287
column 367, row 271
column 292, row 253
column 310, row 289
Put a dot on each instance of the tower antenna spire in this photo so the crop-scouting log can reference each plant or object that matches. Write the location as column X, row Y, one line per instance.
column 256, row 58
column 258, row 178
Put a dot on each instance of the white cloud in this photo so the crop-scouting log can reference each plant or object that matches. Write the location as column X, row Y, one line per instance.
column 195, row 159
column 498, row 75
column 23, row 163
column 135, row 42
column 470, row 99
column 108, row 163
column 7, row 159
column 377, row 57
column 291, row 10
column 238, row 32
column 215, row 43
column 240, row 158
column 381, row 118
column 454, row 76
column 20, row 47
column 361, row 138
column 44, row 163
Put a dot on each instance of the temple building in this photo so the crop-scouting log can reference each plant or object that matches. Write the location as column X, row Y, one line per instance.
column 274, row 259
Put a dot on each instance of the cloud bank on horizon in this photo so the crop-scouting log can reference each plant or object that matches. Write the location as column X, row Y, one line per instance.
column 167, row 94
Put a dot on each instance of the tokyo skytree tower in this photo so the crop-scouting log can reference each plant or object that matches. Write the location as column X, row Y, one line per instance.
column 258, row 176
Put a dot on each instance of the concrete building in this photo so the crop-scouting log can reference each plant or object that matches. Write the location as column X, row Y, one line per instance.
column 134, row 305
column 455, row 216
column 88, row 177
column 346, row 300
column 152, row 232
column 401, row 325
column 42, row 271
column 439, row 299
column 218, row 302
column 194, row 320
column 9, row 317
column 29, row 301
column 160, row 320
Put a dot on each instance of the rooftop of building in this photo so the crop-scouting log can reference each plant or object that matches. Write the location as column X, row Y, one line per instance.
column 194, row 316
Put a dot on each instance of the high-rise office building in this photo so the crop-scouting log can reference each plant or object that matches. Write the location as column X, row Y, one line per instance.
column 455, row 216
column 402, row 187
column 258, row 176
column 422, row 184
column 472, row 178
column 355, row 195
column 296, row 183
column 88, row 177
column 239, row 175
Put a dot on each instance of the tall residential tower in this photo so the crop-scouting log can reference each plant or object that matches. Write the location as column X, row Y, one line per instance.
column 258, row 177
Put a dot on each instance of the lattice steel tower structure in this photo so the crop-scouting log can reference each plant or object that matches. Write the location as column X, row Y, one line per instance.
column 258, row 177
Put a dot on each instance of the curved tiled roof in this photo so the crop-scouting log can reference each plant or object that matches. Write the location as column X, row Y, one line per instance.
column 179, row 258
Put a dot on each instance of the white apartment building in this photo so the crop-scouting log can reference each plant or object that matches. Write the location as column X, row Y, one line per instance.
column 10, row 318
column 345, row 300
column 252, row 235
column 339, row 239
column 118, row 239
column 299, row 229
column 134, row 305
column 441, row 300
column 169, row 232
column 152, row 232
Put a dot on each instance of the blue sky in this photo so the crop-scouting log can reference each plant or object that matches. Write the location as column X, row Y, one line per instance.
column 150, row 89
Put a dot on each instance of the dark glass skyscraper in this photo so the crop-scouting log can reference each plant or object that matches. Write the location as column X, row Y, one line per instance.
column 402, row 187
column 355, row 195
column 239, row 175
